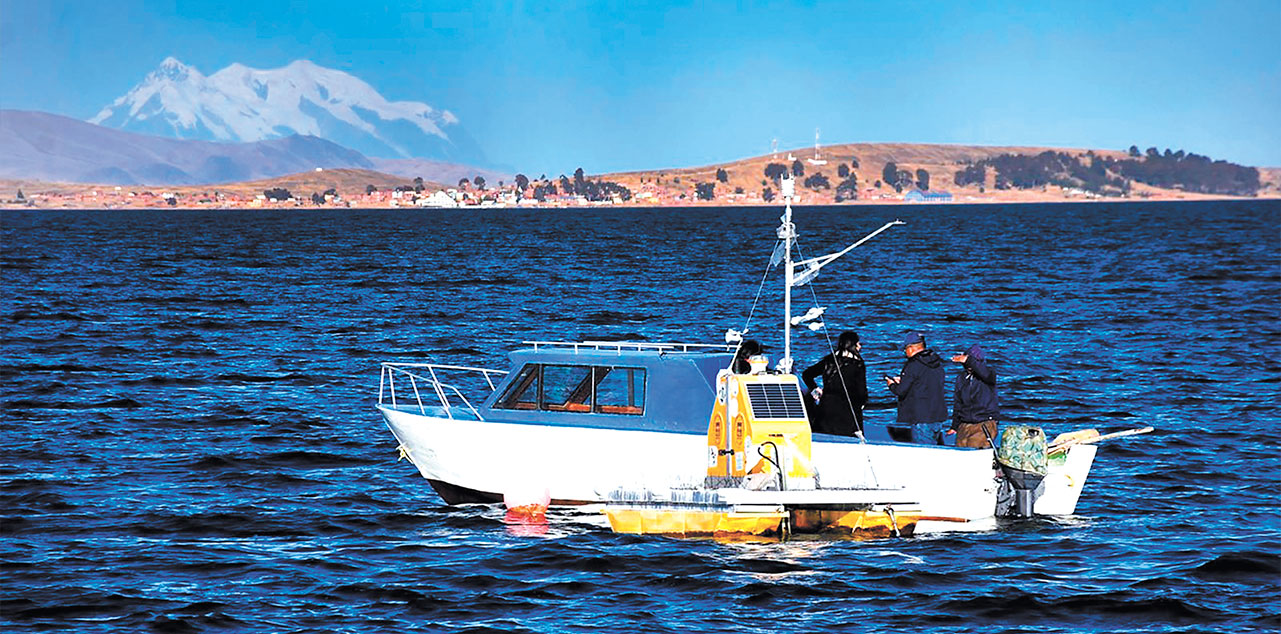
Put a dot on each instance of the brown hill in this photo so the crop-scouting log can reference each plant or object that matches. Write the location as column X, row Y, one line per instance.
column 347, row 182
column 1270, row 178
column 941, row 161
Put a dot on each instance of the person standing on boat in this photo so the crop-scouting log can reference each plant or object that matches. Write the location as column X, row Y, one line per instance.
column 919, row 388
column 747, row 349
column 844, row 392
column 975, row 407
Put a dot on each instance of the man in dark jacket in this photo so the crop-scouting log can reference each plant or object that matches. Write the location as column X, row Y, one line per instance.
column 975, row 408
column 919, row 388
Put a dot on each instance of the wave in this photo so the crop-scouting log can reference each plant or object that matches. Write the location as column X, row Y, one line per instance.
column 293, row 378
column 115, row 403
column 1231, row 566
column 1021, row 606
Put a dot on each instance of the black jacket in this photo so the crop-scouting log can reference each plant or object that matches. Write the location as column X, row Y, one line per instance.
column 844, row 393
column 920, row 389
column 974, row 399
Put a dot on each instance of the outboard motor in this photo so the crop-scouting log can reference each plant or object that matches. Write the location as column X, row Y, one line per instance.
column 1023, row 461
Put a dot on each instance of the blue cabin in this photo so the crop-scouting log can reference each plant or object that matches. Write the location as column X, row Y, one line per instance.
column 668, row 388
column 918, row 196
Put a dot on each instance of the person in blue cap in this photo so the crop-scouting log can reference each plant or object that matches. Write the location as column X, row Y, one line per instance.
column 919, row 388
column 975, row 408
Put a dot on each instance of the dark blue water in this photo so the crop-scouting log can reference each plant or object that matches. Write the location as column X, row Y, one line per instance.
column 190, row 442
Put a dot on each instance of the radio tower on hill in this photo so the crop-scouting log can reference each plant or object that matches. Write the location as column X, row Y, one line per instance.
column 816, row 160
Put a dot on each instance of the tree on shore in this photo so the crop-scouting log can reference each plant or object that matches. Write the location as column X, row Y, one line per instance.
column 277, row 193
column 842, row 170
column 923, row 179
column 775, row 171
column 20, row 196
column 903, row 179
column 463, row 183
column 369, row 189
column 847, row 189
column 798, row 168
column 767, row 194
column 418, row 183
column 889, row 174
column 722, row 175
column 521, row 182
column 818, row 181
column 480, row 182
column 1134, row 151
column 970, row 175
column 705, row 191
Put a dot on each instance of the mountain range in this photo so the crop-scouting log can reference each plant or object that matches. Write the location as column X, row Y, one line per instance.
column 42, row 146
column 244, row 104
column 50, row 147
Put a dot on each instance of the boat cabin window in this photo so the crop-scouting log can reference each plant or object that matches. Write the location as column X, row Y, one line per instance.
column 567, row 388
column 576, row 388
column 620, row 390
column 523, row 392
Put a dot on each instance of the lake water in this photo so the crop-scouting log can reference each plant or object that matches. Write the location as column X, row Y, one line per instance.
column 191, row 444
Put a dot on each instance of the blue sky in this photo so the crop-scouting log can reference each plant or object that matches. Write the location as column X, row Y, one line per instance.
column 550, row 87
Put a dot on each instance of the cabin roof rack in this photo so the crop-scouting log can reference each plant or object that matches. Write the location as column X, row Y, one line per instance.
column 637, row 346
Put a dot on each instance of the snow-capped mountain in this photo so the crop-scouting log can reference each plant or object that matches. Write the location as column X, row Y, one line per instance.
column 43, row 146
column 239, row 103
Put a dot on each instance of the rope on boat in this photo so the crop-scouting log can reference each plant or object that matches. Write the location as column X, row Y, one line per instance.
column 751, row 313
column 889, row 510
column 827, row 336
column 405, row 453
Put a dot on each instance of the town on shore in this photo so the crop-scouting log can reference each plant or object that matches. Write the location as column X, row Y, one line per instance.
column 847, row 174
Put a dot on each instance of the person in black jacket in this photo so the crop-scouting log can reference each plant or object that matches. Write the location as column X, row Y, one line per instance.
column 919, row 388
column 975, row 408
column 747, row 349
column 844, row 392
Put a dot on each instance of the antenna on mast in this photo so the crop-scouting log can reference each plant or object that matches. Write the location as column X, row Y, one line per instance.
column 773, row 148
column 815, row 142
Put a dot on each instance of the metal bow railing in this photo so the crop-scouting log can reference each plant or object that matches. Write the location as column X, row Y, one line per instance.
column 428, row 375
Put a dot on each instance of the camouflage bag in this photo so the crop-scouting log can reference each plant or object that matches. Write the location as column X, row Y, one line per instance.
column 1022, row 448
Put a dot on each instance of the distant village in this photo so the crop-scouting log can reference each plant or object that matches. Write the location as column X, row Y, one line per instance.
column 119, row 197
column 1043, row 177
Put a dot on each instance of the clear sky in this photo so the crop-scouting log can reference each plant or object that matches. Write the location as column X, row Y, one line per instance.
column 552, row 86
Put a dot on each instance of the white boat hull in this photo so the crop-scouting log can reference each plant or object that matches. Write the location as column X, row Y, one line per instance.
column 956, row 488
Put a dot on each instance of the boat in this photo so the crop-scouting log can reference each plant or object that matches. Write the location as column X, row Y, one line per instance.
column 583, row 421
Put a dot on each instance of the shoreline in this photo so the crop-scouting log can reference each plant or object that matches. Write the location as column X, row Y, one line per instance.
column 8, row 206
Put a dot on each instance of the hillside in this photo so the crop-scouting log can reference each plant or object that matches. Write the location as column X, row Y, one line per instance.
column 347, row 182
column 48, row 147
column 940, row 161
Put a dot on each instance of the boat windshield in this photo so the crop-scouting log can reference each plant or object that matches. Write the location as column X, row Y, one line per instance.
column 576, row 388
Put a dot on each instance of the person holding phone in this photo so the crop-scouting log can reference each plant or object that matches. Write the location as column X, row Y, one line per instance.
column 919, row 388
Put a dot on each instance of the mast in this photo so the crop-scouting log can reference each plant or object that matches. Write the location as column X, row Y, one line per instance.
column 787, row 233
